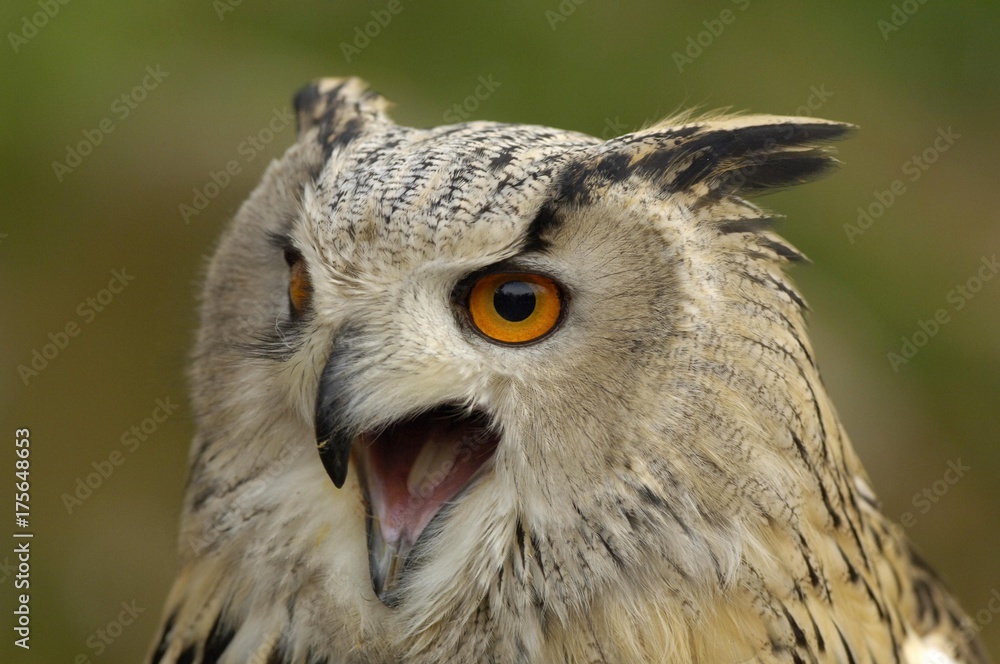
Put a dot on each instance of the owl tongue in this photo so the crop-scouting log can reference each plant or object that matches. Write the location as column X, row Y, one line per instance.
column 414, row 467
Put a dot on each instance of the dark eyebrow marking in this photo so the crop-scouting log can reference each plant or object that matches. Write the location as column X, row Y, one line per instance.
column 544, row 222
column 283, row 243
column 280, row 241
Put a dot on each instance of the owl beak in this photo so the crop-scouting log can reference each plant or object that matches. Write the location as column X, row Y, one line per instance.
column 386, row 562
column 335, row 453
column 333, row 440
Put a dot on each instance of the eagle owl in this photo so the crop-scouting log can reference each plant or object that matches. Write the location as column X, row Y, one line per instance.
column 505, row 393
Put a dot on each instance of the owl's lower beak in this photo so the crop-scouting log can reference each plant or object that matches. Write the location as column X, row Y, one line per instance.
column 385, row 562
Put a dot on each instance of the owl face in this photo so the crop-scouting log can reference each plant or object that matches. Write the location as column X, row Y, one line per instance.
column 457, row 312
column 530, row 360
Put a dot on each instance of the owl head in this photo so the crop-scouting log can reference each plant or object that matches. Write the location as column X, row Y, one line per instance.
column 458, row 387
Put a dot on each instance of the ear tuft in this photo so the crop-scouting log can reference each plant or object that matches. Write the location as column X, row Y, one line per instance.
column 711, row 158
column 340, row 107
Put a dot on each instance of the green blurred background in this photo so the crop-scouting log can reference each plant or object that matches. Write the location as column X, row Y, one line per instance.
column 598, row 67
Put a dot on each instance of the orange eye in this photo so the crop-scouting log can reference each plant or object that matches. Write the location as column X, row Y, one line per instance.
column 515, row 307
column 299, row 285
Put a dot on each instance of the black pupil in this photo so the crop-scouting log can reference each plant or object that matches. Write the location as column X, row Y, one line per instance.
column 514, row 301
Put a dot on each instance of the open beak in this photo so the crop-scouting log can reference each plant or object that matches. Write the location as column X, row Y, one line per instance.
column 410, row 471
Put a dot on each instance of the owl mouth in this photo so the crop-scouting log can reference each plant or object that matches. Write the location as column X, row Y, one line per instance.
column 412, row 471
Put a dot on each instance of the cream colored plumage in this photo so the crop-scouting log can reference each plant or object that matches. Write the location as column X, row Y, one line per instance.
column 657, row 476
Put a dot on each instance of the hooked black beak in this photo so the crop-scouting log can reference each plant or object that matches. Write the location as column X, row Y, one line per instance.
column 333, row 440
